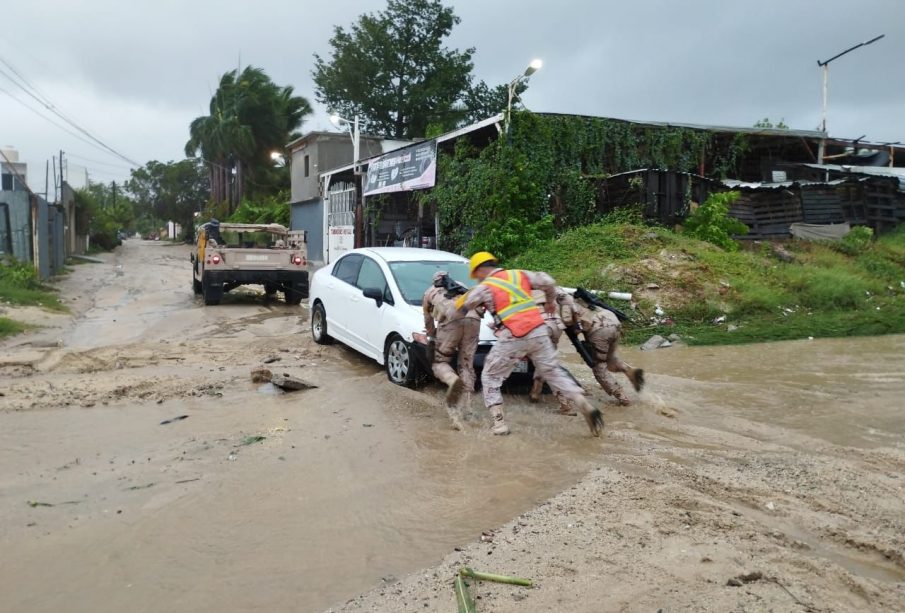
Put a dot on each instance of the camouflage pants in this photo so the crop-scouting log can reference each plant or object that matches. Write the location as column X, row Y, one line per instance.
column 555, row 333
column 605, row 341
column 508, row 351
column 459, row 336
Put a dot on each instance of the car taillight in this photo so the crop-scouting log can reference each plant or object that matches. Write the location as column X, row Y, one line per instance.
column 297, row 260
column 215, row 259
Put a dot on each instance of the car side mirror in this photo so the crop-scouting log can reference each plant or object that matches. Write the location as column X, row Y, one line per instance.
column 374, row 293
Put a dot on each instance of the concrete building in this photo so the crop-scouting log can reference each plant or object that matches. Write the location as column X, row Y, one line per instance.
column 310, row 155
column 31, row 228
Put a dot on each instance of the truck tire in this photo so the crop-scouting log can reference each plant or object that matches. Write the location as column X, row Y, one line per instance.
column 212, row 292
column 196, row 286
column 293, row 294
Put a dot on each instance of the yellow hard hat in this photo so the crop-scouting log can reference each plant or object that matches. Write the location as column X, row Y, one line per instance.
column 481, row 257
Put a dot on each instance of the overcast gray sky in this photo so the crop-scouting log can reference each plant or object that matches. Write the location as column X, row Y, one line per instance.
column 136, row 73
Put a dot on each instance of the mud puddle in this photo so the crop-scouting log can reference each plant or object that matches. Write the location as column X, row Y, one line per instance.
column 350, row 486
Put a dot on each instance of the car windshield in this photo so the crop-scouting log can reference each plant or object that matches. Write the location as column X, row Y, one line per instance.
column 413, row 278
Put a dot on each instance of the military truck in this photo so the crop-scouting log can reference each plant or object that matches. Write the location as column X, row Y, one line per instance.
column 228, row 255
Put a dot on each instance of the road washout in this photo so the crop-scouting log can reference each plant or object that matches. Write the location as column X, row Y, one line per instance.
column 784, row 460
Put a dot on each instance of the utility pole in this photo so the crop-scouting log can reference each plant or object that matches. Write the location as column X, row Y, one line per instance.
column 825, row 65
column 61, row 177
column 114, row 194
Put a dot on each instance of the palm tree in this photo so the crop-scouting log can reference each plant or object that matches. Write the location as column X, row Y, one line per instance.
column 250, row 117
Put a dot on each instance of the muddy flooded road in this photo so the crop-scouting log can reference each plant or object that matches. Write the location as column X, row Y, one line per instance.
column 786, row 458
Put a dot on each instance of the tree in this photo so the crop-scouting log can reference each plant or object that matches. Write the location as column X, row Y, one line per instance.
column 711, row 221
column 250, row 117
column 105, row 210
column 391, row 69
column 170, row 191
column 766, row 123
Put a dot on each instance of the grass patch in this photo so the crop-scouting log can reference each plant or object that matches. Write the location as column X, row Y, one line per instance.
column 825, row 292
column 8, row 327
column 19, row 284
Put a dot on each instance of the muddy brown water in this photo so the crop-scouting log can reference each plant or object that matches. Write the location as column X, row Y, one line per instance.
column 358, row 482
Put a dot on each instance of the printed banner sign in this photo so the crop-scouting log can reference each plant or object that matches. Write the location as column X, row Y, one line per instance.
column 340, row 240
column 404, row 170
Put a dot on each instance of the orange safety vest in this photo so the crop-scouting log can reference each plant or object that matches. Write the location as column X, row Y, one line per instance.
column 512, row 301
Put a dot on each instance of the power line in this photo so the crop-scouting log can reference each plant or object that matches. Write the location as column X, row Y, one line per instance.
column 82, row 157
column 48, row 104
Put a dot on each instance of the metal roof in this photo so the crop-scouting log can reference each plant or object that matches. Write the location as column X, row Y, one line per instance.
column 709, row 128
column 874, row 171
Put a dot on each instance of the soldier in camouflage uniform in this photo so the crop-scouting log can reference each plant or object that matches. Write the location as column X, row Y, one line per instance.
column 453, row 333
column 602, row 329
column 521, row 333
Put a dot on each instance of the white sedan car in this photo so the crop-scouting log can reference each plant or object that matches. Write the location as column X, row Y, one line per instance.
column 370, row 300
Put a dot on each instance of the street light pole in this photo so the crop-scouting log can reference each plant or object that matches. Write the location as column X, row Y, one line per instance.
column 825, row 65
column 336, row 120
column 533, row 67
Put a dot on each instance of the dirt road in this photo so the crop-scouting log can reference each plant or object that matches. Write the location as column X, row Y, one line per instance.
column 778, row 467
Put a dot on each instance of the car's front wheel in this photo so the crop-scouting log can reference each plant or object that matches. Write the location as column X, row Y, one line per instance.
column 319, row 325
column 400, row 364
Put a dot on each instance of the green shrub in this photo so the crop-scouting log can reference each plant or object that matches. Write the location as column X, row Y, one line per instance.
column 22, row 275
column 855, row 242
column 711, row 222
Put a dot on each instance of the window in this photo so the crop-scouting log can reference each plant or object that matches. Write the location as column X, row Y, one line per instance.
column 413, row 278
column 307, row 166
column 370, row 275
column 7, row 184
column 347, row 268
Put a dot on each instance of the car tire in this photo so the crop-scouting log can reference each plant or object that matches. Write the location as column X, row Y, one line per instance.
column 319, row 325
column 211, row 292
column 400, row 364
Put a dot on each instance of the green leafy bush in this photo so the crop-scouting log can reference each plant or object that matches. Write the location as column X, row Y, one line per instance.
column 855, row 242
column 711, row 222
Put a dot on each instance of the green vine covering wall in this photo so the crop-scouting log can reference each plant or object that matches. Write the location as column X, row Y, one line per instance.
column 540, row 179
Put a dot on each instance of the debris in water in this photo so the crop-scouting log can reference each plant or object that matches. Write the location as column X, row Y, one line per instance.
column 37, row 503
column 271, row 359
column 770, row 506
column 487, row 536
column 232, row 457
column 189, row 480
column 290, row 383
column 172, row 419
column 261, row 375
column 251, row 440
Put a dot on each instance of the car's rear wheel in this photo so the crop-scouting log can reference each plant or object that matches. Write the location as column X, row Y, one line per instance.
column 319, row 325
column 400, row 364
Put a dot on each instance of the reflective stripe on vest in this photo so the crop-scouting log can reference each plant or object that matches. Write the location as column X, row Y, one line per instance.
column 512, row 298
